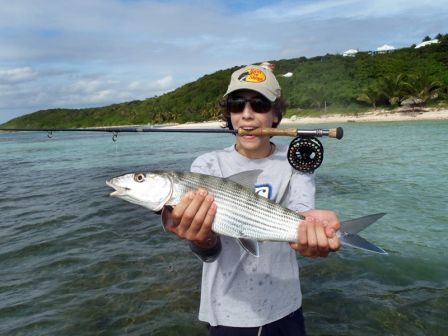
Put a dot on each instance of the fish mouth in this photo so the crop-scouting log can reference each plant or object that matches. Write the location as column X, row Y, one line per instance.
column 119, row 191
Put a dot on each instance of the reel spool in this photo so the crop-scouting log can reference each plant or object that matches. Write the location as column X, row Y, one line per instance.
column 305, row 154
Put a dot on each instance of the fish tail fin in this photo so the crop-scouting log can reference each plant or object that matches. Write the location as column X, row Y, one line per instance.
column 349, row 229
column 356, row 241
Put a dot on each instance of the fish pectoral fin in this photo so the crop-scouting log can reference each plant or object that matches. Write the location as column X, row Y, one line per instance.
column 247, row 179
column 250, row 246
column 167, row 219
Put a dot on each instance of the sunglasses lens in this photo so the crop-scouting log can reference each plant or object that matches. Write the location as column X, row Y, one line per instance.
column 236, row 104
column 258, row 104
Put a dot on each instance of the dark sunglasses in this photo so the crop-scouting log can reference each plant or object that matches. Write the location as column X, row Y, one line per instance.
column 258, row 104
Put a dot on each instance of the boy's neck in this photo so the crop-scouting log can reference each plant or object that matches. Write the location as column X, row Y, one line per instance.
column 262, row 153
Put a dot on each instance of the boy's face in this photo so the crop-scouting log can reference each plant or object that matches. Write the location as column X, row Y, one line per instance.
column 253, row 147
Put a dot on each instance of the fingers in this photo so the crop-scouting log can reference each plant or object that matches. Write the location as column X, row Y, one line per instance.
column 302, row 239
column 334, row 244
column 193, row 216
column 327, row 239
column 317, row 239
column 331, row 226
column 303, row 236
column 206, row 227
column 180, row 208
column 323, row 245
column 312, row 239
column 328, row 218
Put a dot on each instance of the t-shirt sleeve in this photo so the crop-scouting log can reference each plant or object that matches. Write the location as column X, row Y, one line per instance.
column 301, row 193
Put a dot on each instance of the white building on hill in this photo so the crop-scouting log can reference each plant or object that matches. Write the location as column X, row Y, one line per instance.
column 385, row 49
column 350, row 53
column 424, row 44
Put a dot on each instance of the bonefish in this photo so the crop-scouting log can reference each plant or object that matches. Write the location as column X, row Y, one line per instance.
column 241, row 213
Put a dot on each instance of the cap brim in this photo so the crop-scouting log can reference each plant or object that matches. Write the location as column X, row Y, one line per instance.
column 269, row 95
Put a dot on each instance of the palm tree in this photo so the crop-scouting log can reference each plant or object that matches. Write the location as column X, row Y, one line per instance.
column 424, row 87
column 371, row 96
column 394, row 88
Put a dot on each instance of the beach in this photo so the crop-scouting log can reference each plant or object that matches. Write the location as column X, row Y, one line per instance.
column 371, row 116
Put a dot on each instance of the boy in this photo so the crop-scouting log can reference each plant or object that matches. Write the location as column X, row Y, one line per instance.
column 242, row 294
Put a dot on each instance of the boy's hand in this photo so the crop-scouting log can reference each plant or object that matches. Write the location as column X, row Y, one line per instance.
column 192, row 218
column 317, row 234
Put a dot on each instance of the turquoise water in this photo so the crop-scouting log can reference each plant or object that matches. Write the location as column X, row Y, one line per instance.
column 74, row 261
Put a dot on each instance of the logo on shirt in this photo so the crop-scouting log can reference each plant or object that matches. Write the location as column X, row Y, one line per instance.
column 264, row 190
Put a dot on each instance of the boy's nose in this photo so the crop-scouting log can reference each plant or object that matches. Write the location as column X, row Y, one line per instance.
column 247, row 112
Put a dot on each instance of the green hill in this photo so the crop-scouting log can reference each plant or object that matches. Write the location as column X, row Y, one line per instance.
column 337, row 82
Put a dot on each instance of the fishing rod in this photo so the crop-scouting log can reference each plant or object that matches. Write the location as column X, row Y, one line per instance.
column 305, row 152
column 332, row 133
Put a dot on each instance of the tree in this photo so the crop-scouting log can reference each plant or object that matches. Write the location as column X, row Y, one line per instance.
column 317, row 96
column 443, row 39
column 371, row 96
column 427, row 38
column 394, row 88
column 424, row 87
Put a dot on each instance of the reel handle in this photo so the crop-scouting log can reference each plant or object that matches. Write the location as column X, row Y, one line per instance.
column 337, row 133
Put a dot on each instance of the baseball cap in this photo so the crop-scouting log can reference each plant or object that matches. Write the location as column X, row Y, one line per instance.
column 255, row 78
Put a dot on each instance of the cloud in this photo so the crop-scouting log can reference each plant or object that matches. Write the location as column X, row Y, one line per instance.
column 17, row 75
column 98, row 52
column 89, row 86
column 164, row 83
column 347, row 9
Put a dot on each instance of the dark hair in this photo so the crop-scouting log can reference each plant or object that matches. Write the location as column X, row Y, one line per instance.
column 279, row 108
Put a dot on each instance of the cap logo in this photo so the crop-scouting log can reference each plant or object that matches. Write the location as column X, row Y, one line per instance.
column 252, row 75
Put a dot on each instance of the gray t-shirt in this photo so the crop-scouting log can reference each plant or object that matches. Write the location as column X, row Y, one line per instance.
column 238, row 289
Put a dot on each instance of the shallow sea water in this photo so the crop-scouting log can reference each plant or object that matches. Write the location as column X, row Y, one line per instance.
column 74, row 261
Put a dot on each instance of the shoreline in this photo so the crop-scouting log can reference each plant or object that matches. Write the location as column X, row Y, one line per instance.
column 426, row 114
column 372, row 116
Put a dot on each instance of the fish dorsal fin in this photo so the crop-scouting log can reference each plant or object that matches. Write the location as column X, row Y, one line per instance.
column 250, row 245
column 247, row 178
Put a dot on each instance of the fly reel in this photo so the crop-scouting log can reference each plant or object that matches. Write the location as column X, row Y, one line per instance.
column 305, row 154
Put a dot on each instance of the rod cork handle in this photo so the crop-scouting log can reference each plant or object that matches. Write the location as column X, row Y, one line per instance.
column 336, row 133
column 269, row 131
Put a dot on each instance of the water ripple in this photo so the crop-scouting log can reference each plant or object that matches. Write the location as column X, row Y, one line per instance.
column 74, row 261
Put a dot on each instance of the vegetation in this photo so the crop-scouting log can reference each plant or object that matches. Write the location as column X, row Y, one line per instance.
column 330, row 83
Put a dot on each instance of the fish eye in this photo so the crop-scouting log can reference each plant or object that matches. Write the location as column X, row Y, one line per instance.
column 139, row 177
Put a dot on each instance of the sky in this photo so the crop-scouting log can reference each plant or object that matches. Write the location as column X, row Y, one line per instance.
column 87, row 53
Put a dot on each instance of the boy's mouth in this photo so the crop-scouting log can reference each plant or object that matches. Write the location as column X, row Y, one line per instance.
column 248, row 137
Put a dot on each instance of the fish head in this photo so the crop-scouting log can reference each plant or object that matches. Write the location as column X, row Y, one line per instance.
column 150, row 190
